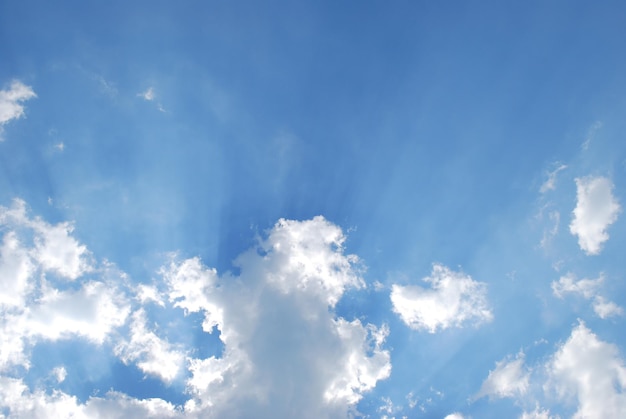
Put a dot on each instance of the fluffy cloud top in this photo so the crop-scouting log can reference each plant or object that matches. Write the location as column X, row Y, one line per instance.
column 453, row 300
column 596, row 209
column 11, row 99
column 286, row 353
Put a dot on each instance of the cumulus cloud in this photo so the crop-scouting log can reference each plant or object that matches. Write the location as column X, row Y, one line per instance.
column 596, row 209
column 11, row 102
column 589, row 289
column 592, row 372
column 605, row 309
column 285, row 352
column 509, row 379
column 453, row 300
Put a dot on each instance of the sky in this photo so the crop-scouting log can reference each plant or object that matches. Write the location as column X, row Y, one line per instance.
column 312, row 209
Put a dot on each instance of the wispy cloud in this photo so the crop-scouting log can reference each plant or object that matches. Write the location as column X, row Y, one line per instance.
column 591, row 133
column 590, row 371
column 508, row 379
column 550, row 183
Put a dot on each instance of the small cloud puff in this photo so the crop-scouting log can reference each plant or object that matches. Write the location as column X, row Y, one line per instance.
column 596, row 209
column 550, row 183
column 150, row 95
column 453, row 300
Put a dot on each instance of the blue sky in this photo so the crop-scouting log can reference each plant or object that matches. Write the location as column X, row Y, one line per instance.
column 312, row 209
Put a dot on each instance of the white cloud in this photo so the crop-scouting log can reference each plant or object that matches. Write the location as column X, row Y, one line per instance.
column 510, row 378
column 190, row 286
column 11, row 106
column 453, row 300
column 455, row 415
column 33, row 308
column 589, row 289
column 152, row 354
column 538, row 413
column 92, row 311
column 596, row 209
column 16, row 268
column 605, row 309
column 59, row 374
column 550, row 183
column 584, row 372
column 57, row 251
column 592, row 372
column 148, row 294
column 53, row 248
column 21, row 402
column 286, row 353
column 149, row 94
